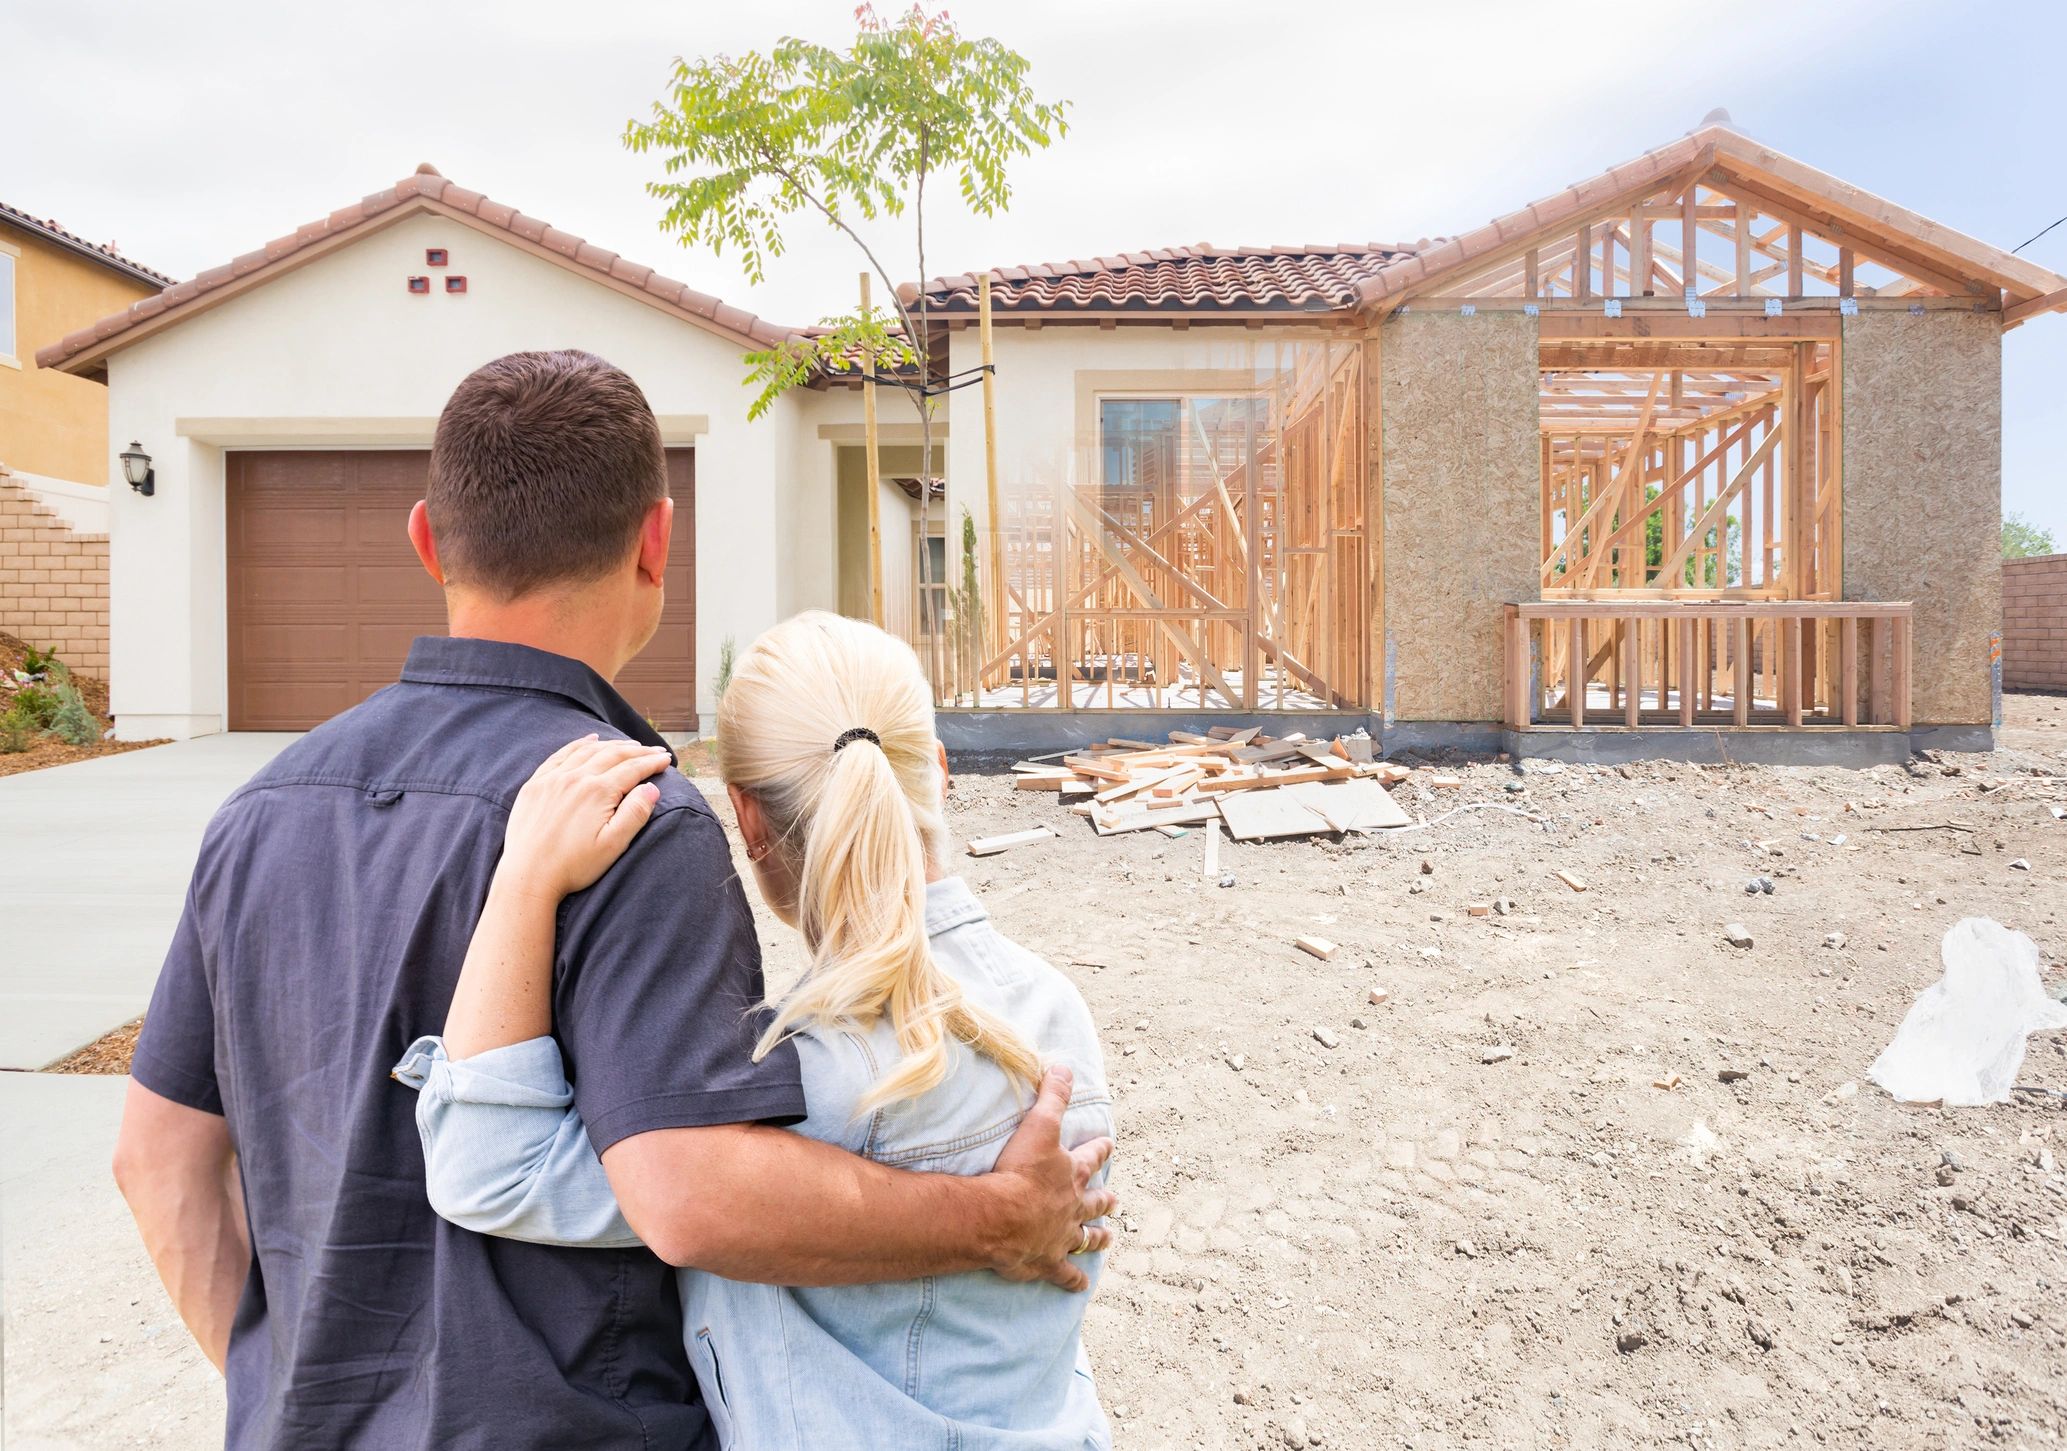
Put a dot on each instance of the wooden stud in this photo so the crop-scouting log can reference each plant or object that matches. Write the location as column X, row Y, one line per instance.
column 1900, row 668
column 993, row 524
column 1741, row 694
column 875, row 480
column 1686, row 670
column 1575, row 671
column 1848, row 668
column 1632, row 671
column 1790, row 671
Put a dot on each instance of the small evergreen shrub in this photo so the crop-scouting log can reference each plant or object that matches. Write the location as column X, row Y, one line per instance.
column 70, row 720
column 15, row 733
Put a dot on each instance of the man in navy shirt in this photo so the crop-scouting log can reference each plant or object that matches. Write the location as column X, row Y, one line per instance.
column 273, row 1168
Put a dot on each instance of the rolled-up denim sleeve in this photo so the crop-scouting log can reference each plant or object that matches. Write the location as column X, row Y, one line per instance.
column 505, row 1151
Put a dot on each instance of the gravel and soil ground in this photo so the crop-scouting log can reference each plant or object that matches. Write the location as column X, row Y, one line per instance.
column 1470, row 1215
column 1344, row 1226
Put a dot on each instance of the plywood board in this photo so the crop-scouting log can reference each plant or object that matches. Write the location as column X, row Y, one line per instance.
column 1263, row 815
column 1922, row 493
column 1461, row 489
column 1349, row 805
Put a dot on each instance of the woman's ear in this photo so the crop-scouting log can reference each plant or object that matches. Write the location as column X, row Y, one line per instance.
column 753, row 825
column 947, row 777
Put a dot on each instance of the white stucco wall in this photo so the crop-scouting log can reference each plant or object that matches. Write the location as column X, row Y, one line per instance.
column 339, row 354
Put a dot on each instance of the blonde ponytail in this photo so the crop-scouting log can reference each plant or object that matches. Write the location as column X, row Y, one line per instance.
column 858, row 822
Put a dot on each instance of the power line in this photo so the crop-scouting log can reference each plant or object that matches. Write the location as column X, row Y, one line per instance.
column 2022, row 245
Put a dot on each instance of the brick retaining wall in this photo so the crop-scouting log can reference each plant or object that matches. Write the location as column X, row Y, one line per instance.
column 53, row 582
column 2034, row 623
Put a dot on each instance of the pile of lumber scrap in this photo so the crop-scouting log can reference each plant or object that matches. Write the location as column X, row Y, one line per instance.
column 1260, row 786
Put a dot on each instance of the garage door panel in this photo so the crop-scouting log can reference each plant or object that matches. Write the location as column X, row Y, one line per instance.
column 310, row 641
column 303, row 585
column 401, row 588
column 326, row 594
column 294, row 527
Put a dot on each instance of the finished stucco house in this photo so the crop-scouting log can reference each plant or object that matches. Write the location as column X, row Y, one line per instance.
column 1703, row 450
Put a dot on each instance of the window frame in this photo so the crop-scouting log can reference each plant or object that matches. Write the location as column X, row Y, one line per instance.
column 10, row 342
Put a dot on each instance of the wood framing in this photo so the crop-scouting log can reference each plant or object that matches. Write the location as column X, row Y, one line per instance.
column 1214, row 557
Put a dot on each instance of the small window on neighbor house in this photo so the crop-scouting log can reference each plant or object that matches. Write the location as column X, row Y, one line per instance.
column 434, row 257
column 7, row 305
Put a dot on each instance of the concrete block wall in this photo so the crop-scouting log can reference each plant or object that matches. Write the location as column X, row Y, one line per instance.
column 53, row 581
column 2034, row 623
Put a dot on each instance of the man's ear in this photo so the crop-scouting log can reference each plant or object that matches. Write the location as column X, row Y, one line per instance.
column 420, row 537
column 656, row 533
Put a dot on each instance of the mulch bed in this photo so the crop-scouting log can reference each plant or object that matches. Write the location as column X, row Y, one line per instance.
column 47, row 750
column 109, row 1054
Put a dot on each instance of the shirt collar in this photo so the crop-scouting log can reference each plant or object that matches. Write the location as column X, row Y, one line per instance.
column 950, row 904
column 444, row 660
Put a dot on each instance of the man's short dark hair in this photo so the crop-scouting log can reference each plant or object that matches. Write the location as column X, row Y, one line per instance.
column 543, row 467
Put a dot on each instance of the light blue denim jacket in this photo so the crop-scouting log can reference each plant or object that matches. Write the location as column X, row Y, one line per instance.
column 965, row 1362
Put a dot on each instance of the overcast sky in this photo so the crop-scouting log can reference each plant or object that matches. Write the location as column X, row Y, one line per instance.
column 190, row 132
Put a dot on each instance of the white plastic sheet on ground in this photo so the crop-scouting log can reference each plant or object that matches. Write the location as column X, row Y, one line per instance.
column 1963, row 1040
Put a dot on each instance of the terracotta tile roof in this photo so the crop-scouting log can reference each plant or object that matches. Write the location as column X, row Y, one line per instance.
column 1316, row 277
column 426, row 190
column 101, row 252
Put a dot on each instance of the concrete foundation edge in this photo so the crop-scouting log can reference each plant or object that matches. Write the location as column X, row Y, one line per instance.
column 985, row 733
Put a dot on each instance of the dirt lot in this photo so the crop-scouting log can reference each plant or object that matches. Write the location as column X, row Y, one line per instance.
column 1395, row 1243
column 1392, row 1242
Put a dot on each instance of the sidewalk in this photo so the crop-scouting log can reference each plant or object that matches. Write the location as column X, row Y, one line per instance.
column 95, row 1356
column 94, row 860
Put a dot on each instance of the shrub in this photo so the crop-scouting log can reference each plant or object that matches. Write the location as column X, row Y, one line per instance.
column 15, row 732
column 71, row 722
column 36, row 705
column 38, row 662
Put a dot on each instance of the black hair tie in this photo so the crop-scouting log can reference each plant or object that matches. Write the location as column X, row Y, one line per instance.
column 858, row 733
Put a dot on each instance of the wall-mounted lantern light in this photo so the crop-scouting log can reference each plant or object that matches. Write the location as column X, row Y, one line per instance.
column 136, row 467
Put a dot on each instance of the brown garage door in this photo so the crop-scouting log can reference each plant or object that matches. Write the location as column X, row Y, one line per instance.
column 325, row 593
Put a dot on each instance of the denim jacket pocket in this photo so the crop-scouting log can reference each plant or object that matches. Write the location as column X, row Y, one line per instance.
column 712, row 1374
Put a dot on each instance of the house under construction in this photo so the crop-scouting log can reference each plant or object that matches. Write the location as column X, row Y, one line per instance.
column 1701, row 455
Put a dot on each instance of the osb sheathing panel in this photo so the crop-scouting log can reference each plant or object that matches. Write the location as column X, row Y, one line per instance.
column 1459, row 402
column 1923, row 493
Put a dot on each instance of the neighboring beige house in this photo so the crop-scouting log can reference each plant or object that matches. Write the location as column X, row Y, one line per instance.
column 1701, row 455
column 54, row 437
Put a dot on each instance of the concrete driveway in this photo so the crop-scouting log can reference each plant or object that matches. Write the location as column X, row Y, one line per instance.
column 94, row 860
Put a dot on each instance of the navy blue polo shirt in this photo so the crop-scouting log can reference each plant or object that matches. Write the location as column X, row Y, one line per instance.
column 324, row 930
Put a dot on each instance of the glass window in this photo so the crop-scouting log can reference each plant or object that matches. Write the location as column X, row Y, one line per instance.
column 933, row 600
column 1155, row 443
column 7, row 305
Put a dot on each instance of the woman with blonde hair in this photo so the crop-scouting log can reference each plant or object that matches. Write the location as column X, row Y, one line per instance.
column 920, row 1030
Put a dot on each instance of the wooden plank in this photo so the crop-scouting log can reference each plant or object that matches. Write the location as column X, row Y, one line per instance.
column 1575, row 672
column 1341, row 771
column 1790, row 671
column 1570, row 879
column 1086, row 766
column 1686, row 672
column 1900, row 667
column 1741, row 689
column 1632, row 670
column 875, row 479
column 1212, row 868
column 1319, row 947
column 1848, row 668
column 993, row 527
column 992, row 845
